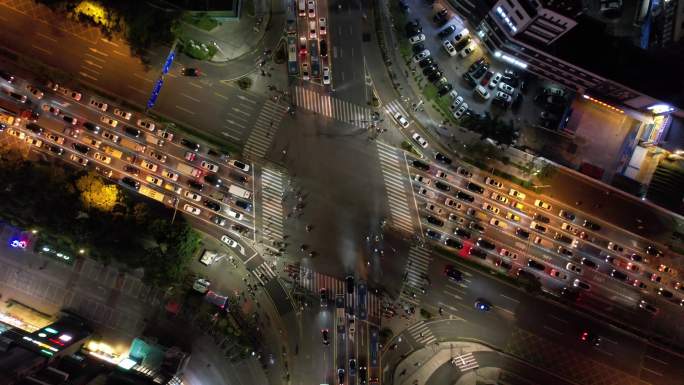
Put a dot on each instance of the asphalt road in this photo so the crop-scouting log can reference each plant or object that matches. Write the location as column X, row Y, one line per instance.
column 346, row 26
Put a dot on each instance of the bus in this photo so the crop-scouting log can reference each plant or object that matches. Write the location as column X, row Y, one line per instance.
column 148, row 192
column 374, row 362
column 292, row 67
column 11, row 114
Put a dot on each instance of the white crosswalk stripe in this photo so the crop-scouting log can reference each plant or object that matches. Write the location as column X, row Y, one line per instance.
column 263, row 273
column 331, row 107
column 266, row 125
column 415, row 275
column 465, row 362
column 394, row 176
column 395, row 106
column 273, row 189
column 421, row 333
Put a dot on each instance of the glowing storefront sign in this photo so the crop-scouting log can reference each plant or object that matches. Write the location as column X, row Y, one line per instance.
column 18, row 243
column 603, row 104
column 660, row 108
column 507, row 20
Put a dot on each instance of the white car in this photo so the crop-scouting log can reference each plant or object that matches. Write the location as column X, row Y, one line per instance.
column 493, row 182
column 453, row 94
column 170, row 175
column 434, row 208
column 426, row 192
column 421, row 55
column 453, row 204
column 102, row 158
column 517, row 194
column 461, row 110
column 441, row 174
column 193, row 196
column 82, row 161
column 312, row 29
column 146, row 124
column 168, row 135
column 326, row 75
column 491, row 208
column 503, row 96
column 305, row 71
column 232, row 243
column 506, row 88
column 312, row 8
column 417, row 38
column 123, row 114
column 494, row 81
column 51, row 109
column 234, row 214
column 192, row 209
column 209, row 166
column 449, row 48
column 574, row 268
column 468, row 50
column 35, row 91
column 149, row 165
column 401, row 120
column 239, row 165
column 419, row 139
column 500, row 198
column 482, row 92
column 322, row 26
column 109, row 121
column 542, row 204
column 155, row 180
column 569, row 228
column 110, row 136
column 102, row 106
column 459, row 36
column 422, row 179
column 69, row 93
column 457, row 102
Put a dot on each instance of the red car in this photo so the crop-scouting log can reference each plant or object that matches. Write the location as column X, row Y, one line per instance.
column 485, row 79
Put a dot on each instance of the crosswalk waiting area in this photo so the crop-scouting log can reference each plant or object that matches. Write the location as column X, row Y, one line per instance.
column 265, row 127
column 331, row 107
column 421, row 332
column 415, row 275
column 273, row 186
column 394, row 175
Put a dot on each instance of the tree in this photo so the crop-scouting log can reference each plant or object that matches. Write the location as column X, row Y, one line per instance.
column 96, row 194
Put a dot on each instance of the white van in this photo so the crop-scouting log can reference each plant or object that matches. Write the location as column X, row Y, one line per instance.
column 302, row 8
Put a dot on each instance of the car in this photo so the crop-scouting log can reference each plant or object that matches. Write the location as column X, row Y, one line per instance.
column 417, row 38
column 449, row 48
column 69, row 93
column 426, row 62
column 488, row 207
column 637, row 258
column 55, row 138
column 213, row 180
column 588, row 262
column 168, row 174
column 242, row 166
column 444, row 89
column 80, row 160
column 192, row 209
column 535, row 265
column 542, row 204
column 110, row 136
column 146, row 124
column 420, row 165
column 322, row 26
column 424, row 180
column 91, row 141
column 441, row 174
column 506, row 88
column 500, row 198
column 617, row 274
column 190, row 156
column 558, row 274
column 494, row 81
column 456, row 103
column 508, row 253
column 493, row 182
column 437, row 78
column 190, row 144
column 325, row 336
column 69, row 119
column 38, row 94
column 452, row 273
column 235, row 214
column 574, row 268
column 563, row 251
column 453, row 204
column 228, row 240
column 512, row 217
column 464, row 234
column 191, row 71
column 419, row 139
column 647, row 307
column 305, row 71
column 92, row 127
column 148, row 165
column 51, row 109
column 340, row 375
column 195, row 185
column 502, row 98
column 498, row 223
column 446, row 31
column 421, row 55
column 460, row 111
column 102, row 158
column 102, row 106
column 567, row 215
column 193, row 196
column 653, row 251
column 311, row 7
column 433, row 235
column 209, row 166
column 323, row 51
column 131, row 170
column 460, row 36
column 6, row 76
column 243, row 205
column 109, row 121
column 517, row 194
column 464, row 172
column 476, row 226
column 430, row 69
column 664, row 293
column 486, row 77
column 212, row 205
column 157, row 155
column 632, row 267
column 580, row 284
column 83, row 149
column 590, row 338
column 522, row 233
column 482, row 92
column 475, row 188
column 482, row 305
column 312, row 29
column 34, row 141
column 475, row 252
column 326, row 75
column 485, row 244
column 435, row 221
column 615, row 247
column 155, row 180
column 434, row 208
column 130, row 182
column 442, row 158
column 591, row 225
column 664, row 268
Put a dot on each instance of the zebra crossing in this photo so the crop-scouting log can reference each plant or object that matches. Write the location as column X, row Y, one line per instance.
column 263, row 273
column 266, row 125
column 420, row 332
column 415, row 276
column 395, row 106
column 273, row 189
column 465, row 362
column 391, row 166
column 331, row 107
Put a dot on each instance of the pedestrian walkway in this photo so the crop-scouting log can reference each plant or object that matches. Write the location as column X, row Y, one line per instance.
column 394, row 174
column 421, row 333
column 314, row 282
column 265, row 127
column 394, row 107
column 415, row 276
column 326, row 105
column 465, row 362
column 273, row 186
column 263, row 273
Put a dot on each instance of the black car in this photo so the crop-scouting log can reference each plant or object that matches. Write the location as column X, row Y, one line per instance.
column 541, row 218
column 420, row 165
column 352, row 366
column 447, row 31
column 462, row 233
column 190, row 145
column 196, row 185
column 325, row 337
column 324, row 48
column 130, row 182
column 470, row 80
column 568, row 294
column 442, row 186
column 363, row 374
column 617, row 274
column 591, row 225
column 453, row 243
column 567, row 215
column 92, row 127
column 56, row 150
column 430, row 69
column 562, row 238
column 36, row 129
column 412, row 28
column 218, row 220
column 130, row 131
column 435, row 221
column 535, row 265
column 591, row 338
column 131, row 170
column 443, row 158
column 212, row 205
column 418, row 47
column 340, row 375
column 480, row 71
column 435, row 76
column 464, row 172
column 426, row 62
column 82, row 148
column 485, row 244
column 9, row 78
column 433, row 234
column 476, row 226
column 588, row 262
column 444, row 89
column 465, row 197
column 636, row 257
column 475, row 252
column 350, row 284
column 323, row 295
column 237, row 177
column 476, row 188
column 213, row 180
column 453, row 273
column 654, row 251
column 664, row 293
column 522, row 233
column 243, row 205
column 190, row 72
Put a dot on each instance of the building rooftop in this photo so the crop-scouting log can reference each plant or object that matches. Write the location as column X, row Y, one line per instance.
column 569, row 8
column 654, row 73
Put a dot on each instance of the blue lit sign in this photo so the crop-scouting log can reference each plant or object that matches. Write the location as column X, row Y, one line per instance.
column 18, row 243
column 155, row 93
column 169, row 61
